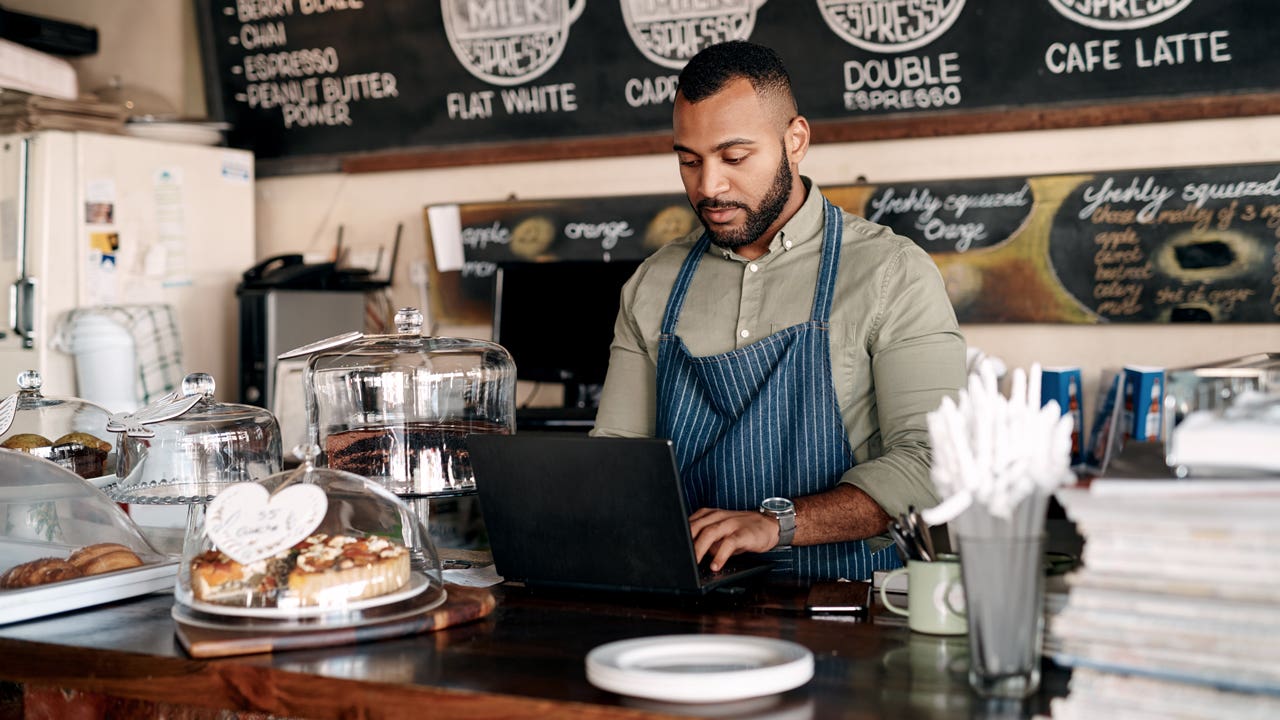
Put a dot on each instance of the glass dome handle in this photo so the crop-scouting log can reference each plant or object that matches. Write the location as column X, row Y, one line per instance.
column 307, row 452
column 30, row 380
column 408, row 321
column 198, row 384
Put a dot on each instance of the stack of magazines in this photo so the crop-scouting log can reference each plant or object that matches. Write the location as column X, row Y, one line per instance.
column 1176, row 611
column 25, row 112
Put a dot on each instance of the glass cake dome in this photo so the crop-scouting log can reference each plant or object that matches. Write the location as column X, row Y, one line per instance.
column 186, row 446
column 397, row 409
column 65, row 545
column 68, row 431
column 48, row 511
column 308, row 545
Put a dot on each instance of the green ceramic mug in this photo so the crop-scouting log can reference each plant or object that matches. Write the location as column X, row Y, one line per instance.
column 935, row 596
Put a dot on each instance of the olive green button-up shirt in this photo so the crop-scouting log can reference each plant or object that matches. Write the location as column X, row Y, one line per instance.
column 896, row 349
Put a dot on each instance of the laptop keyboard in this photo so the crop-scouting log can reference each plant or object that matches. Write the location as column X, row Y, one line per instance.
column 733, row 566
column 706, row 575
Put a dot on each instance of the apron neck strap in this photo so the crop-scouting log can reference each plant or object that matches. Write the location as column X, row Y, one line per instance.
column 675, row 303
column 832, row 235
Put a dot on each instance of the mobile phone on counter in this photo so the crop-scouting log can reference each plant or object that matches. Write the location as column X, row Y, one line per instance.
column 839, row 598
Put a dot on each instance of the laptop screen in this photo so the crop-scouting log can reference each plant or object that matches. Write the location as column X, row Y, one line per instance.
column 573, row 510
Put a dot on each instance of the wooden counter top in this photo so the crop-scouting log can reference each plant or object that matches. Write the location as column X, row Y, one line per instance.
column 524, row 661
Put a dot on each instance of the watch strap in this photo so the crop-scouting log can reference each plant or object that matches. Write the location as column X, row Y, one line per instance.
column 786, row 528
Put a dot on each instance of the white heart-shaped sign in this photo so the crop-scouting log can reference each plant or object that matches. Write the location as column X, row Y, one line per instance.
column 247, row 525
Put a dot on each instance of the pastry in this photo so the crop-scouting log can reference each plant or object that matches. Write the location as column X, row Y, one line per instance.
column 26, row 442
column 317, row 571
column 81, row 453
column 340, row 568
column 85, row 439
column 216, row 578
column 104, row 557
column 39, row 572
column 88, row 560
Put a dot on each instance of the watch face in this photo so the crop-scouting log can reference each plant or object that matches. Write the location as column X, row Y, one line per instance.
column 777, row 505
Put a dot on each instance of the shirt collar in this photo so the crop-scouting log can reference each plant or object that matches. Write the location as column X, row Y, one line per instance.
column 805, row 225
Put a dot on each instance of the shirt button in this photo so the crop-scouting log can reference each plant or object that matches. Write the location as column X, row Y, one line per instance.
column 786, row 244
column 745, row 333
column 754, row 267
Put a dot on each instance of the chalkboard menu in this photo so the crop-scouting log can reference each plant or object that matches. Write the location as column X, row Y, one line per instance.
column 608, row 229
column 1168, row 245
column 1179, row 245
column 302, row 78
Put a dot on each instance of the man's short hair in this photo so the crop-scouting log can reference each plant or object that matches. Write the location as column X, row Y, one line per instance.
column 715, row 66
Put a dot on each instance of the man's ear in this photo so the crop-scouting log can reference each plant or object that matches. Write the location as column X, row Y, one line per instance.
column 797, row 138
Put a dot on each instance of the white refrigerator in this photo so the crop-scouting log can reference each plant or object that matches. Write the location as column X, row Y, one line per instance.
column 89, row 219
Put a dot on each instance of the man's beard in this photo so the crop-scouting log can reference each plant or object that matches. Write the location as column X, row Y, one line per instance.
column 758, row 220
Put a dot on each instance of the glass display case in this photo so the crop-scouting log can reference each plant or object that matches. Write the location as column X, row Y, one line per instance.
column 67, row 431
column 307, row 546
column 397, row 409
column 1222, row 418
column 65, row 545
column 1214, row 386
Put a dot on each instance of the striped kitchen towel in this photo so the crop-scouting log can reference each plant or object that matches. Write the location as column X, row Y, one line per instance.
column 159, row 348
column 157, row 344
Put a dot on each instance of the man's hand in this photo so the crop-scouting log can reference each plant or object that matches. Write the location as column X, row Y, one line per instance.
column 842, row 513
column 725, row 533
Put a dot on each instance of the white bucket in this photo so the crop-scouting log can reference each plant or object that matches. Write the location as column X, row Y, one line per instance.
column 106, row 365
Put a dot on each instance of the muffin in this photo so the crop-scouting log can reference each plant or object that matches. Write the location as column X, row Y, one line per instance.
column 26, row 442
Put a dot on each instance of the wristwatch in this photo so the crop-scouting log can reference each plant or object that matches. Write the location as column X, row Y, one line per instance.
column 784, row 511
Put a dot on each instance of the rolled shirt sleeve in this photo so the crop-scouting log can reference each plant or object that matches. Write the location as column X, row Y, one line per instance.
column 917, row 358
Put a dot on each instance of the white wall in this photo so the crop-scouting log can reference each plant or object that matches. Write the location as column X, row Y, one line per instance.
column 151, row 43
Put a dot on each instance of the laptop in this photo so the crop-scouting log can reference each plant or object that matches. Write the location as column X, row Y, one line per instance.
column 601, row 513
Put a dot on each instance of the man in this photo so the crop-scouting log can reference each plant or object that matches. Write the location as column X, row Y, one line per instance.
column 790, row 351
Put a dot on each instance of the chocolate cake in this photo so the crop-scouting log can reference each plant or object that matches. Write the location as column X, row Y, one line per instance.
column 416, row 459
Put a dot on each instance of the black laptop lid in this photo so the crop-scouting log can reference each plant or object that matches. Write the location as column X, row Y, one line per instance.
column 581, row 511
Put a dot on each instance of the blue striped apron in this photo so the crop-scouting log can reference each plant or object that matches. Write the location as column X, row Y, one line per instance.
column 763, row 420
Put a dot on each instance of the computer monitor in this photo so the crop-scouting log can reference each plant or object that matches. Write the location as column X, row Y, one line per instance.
column 556, row 319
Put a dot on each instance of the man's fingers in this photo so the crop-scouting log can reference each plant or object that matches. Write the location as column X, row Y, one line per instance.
column 727, row 549
column 706, row 517
column 725, row 533
column 708, row 533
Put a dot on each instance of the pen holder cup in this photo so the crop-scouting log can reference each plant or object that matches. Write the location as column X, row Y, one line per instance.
column 1004, row 601
column 935, row 596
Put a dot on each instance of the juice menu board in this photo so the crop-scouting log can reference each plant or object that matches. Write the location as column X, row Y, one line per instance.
column 1164, row 245
column 300, row 78
column 1175, row 245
